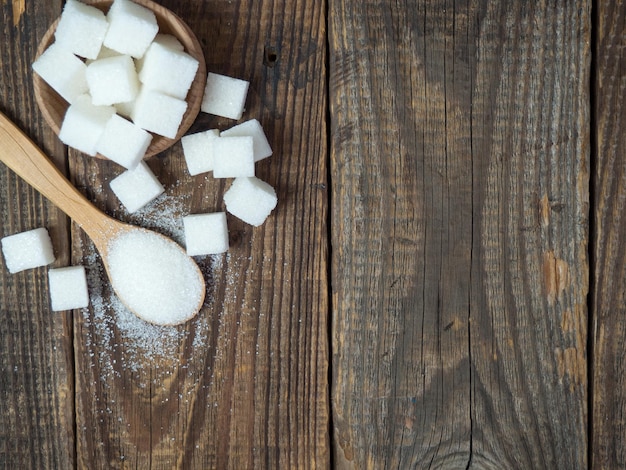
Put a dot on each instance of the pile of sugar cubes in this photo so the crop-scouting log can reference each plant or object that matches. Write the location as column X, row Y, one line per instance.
column 132, row 83
column 124, row 81
column 231, row 153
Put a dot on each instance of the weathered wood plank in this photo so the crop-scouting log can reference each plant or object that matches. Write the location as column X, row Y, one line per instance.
column 529, row 326
column 459, row 227
column 609, row 270
column 244, row 385
column 36, row 351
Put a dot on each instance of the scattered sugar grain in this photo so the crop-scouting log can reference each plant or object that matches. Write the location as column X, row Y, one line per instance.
column 114, row 326
column 163, row 215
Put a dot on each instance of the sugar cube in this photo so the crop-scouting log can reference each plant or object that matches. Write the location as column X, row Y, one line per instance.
column 136, row 188
column 252, row 128
column 206, row 234
column 168, row 70
column 251, row 200
column 132, row 28
column 63, row 71
column 27, row 250
column 68, row 288
column 105, row 52
column 83, row 124
column 124, row 142
column 224, row 96
column 125, row 109
column 166, row 40
column 233, row 157
column 198, row 149
column 159, row 113
column 112, row 80
column 81, row 29
column 170, row 41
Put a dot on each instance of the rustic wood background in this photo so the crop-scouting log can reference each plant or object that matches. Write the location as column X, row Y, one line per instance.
column 441, row 285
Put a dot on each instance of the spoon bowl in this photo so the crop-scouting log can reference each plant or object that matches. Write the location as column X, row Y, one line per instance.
column 22, row 156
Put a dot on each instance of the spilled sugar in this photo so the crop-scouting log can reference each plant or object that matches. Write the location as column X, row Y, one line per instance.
column 154, row 277
column 115, row 332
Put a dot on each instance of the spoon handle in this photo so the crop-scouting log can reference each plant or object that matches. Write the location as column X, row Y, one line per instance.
column 22, row 156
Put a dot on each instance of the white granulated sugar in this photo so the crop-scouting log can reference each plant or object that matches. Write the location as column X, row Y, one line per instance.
column 117, row 332
column 154, row 277
column 164, row 216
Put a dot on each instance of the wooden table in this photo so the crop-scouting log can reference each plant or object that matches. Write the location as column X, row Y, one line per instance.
column 442, row 284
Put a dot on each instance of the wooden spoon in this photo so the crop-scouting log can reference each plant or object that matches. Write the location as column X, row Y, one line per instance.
column 22, row 156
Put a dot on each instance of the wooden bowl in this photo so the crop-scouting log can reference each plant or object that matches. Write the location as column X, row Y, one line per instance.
column 53, row 107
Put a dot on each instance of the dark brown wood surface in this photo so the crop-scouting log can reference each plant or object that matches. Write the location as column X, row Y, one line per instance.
column 449, row 188
column 608, row 281
column 36, row 353
column 459, row 163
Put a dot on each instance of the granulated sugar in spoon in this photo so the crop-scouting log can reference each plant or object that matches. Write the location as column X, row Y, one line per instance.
column 151, row 274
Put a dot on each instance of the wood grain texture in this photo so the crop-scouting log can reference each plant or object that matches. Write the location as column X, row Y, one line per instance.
column 529, row 325
column 459, row 157
column 607, row 300
column 244, row 384
column 36, row 352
